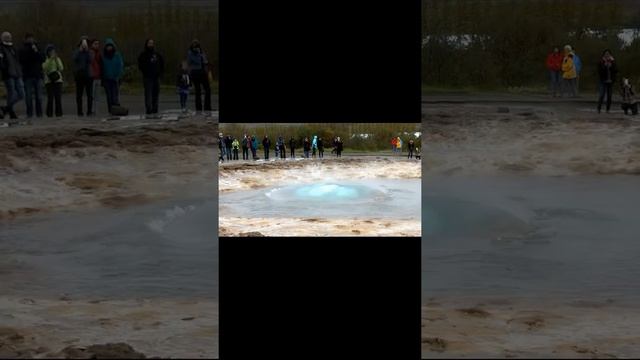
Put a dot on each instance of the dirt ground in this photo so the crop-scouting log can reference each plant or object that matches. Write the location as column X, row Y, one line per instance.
column 76, row 165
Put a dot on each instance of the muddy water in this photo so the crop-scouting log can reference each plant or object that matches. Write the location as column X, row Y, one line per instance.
column 165, row 249
column 568, row 237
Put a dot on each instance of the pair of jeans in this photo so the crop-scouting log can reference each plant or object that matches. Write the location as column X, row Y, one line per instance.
column 306, row 154
column 33, row 91
column 605, row 89
column 320, row 153
column 151, row 94
column 54, row 97
column 235, row 154
column 112, row 92
column 229, row 153
column 201, row 81
column 253, row 152
column 84, row 84
column 410, row 154
column 15, row 92
column 95, row 85
column 183, row 100
column 245, row 153
column 266, row 153
column 293, row 152
column 569, row 86
column 555, row 80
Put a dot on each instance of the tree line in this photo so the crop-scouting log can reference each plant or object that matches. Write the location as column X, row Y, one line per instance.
column 493, row 44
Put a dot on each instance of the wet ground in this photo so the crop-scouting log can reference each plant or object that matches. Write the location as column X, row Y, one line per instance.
column 529, row 244
column 108, row 235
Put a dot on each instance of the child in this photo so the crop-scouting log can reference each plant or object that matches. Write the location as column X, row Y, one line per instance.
column 629, row 103
column 184, row 84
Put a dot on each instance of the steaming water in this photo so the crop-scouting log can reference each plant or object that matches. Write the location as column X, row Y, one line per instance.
column 161, row 250
column 573, row 237
column 361, row 199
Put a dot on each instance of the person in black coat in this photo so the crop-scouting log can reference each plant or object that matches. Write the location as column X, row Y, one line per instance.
column 245, row 147
column 151, row 64
column 339, row 145
column 228, row 144
column 292, row 147
column 266, row 143
column 31, row 59
column 411, row 146
column 221, row 148
column 607, row 70
column 320, row 148
column 82, row 75
column 306, row 147
column 11, row 74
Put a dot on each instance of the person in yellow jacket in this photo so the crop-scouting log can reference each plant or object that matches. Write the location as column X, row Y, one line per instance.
column 52, row 68
column 569, row 73
column 399, row 144
column 235, row 145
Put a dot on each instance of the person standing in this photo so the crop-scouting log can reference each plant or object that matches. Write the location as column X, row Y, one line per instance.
column 254, row 147
column 236, row 146
column 394, row 144
column 220, row 148
column 411, row 147
column 228, row 144
column 339, row 147
column 112, row 70
column 151, row 65
column 399, row 145
column 554, row 66
column 184, row 84
column 568, row 72
column 95, row 70
column 577, row 62
column 198, row 65
column 629, row 103
column 11, row 74
column 283, row 148
column 53, row 68
column 292, row 147
column 245, row 147
column 314, row 146
column 306, row 147
column 31, row 60
column 82, row 75
column 320, row 148
column 266, row 143
column 607, row 70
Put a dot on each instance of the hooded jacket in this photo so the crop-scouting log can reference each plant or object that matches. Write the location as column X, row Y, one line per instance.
column 314, row 142
column 31, row 62
column 150, row 63
column 235, row 144
column 50, row 65
column 197, row 61
column 112, row 66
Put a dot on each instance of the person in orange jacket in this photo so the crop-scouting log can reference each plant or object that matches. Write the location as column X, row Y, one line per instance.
column 554, row 65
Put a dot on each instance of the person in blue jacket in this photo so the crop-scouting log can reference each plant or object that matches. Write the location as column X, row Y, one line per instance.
column 112, row 70
column 254, row 146
column 577, row 63
column 314, row 146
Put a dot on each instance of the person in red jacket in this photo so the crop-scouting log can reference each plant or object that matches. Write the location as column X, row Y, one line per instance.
column 554, row 65
column 95, row 71
column 394, row 143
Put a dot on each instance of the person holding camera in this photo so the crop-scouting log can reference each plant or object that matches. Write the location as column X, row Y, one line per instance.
column 31, row 59
column 11, row 74
column 199, row 67
column 82, row 75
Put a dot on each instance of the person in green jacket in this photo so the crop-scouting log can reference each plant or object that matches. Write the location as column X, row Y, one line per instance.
column 236, row 146
column 112, row 70
column 52, row 68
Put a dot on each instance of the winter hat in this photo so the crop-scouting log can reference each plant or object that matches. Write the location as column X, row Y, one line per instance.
column 49, row 48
